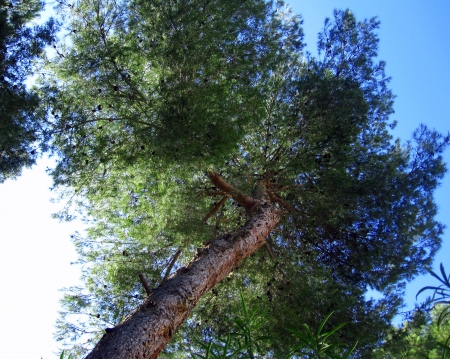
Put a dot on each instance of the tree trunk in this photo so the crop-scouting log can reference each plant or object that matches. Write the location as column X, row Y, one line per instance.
column 145, row 332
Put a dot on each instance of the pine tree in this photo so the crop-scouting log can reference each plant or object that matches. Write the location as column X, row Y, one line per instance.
column 417, row 337
column 193, row 133
column 20, row 45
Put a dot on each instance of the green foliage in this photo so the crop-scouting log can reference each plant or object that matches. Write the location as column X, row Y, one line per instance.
column 62, row 356
column 419, row 337
column 220, row 349
column 441, row 300
column 165, row 80
column 317, row 345
column 20, row 46
column 423, row 335
column 441, row 294
column 148, row 96
column 243, row 341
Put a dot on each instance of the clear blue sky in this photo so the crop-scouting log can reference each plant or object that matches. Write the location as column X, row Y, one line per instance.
column 35, row 250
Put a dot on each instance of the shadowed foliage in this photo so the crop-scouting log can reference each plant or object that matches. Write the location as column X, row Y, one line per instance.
column 20, row 45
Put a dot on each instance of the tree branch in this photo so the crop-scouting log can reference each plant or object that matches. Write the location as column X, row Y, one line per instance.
column 216, row 208
column 245, row 201
column 272, row 255
column 145, row 283
column 274, row 198
column 172, row 263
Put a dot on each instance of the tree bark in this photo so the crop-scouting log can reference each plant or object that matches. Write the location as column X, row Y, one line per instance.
column 145, row 332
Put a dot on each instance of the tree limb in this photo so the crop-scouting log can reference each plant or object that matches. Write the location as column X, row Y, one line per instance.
column 274, row 198
column 268, row 245
column 145, row 283
column 216, row 208
column 245, row 201
column 172, row 263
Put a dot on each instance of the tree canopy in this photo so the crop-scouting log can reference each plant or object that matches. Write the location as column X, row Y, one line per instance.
column 20, row 45
column 172, row 120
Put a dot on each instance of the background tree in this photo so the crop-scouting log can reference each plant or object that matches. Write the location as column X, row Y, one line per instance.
column 151, row 102
column 418, row 337
column 20, row 46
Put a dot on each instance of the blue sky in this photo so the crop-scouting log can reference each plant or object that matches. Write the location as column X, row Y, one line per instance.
column 35, row 250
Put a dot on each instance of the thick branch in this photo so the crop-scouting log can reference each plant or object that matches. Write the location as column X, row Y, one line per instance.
column 245, row 201
column 145, row 332
column 145, row 284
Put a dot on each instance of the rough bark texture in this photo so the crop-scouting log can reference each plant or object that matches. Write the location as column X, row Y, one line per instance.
column 145, row 332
